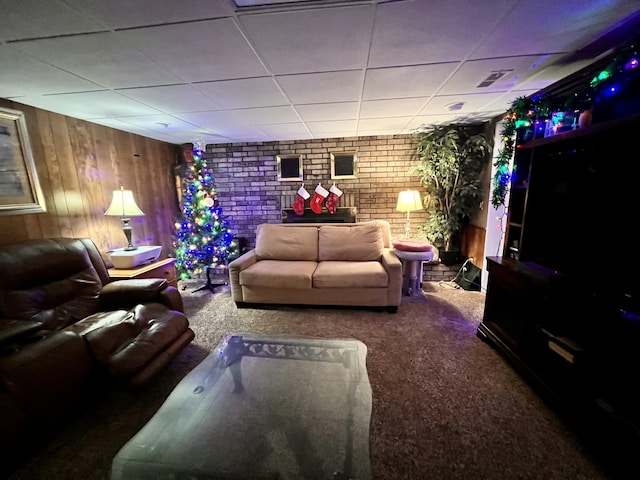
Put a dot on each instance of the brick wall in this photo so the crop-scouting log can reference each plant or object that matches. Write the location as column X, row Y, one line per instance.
column 249, row 192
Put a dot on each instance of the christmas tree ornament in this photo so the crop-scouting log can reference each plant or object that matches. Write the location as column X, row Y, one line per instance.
column 319, row 195
column 332, row 201
column 298, row 205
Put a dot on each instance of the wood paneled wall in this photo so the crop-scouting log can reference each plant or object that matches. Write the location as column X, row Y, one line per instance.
column 79, row 164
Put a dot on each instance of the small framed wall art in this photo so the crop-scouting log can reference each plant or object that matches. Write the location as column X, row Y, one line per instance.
column 19, row 186
column 289, row 168
column 343, row 165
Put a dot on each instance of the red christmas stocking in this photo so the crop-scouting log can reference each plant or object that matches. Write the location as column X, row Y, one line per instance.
column 318, row 197
column 332, row 201
column 298, row 205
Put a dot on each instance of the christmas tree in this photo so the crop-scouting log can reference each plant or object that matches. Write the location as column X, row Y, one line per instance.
column 203, row 237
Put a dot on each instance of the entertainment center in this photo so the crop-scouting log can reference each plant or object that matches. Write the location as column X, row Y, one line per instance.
column 563, row 301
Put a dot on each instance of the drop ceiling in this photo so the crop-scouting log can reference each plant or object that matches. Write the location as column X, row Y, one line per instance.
column 210, row 70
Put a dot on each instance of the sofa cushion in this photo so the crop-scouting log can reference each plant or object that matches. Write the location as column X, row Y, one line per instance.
column 341, row 274
column 408, row 245
column 280, row 242
column 279, row 274
column 360, row 243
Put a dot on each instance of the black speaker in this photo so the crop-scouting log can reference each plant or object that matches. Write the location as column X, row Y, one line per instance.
column 469, row 276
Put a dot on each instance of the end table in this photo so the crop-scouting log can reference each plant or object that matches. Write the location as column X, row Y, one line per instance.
column 159, row 269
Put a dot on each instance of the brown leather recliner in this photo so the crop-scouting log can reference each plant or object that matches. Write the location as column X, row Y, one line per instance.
column 64, row 321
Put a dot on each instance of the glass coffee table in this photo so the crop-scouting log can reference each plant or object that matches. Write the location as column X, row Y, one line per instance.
column 261, row 407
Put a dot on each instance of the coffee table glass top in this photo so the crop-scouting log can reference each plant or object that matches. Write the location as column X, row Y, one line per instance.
column 261, row 407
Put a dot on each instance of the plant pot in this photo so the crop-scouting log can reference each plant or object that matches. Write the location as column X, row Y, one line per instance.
column 449, row 257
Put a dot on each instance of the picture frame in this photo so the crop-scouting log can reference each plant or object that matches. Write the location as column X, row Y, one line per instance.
column 20, row 191
column 289, row 168
column 343, row 165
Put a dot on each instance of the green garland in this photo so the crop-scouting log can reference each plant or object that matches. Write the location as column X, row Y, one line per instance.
column 502, row 176
column 525, row 110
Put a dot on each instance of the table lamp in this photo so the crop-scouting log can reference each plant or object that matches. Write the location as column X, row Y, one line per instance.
column 409, row 201
column 123, row 205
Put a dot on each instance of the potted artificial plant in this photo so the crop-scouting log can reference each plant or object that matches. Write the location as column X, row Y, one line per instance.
column 451, row 161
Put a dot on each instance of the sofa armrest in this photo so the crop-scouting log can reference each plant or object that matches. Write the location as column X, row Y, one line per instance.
column 393, row 266
column 124, row 294
column 241, row 263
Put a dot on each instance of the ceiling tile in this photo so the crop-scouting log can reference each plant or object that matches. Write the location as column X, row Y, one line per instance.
column 516, row 70
column 416, row 32
column 101, row 58
column 325, row 128
column 22, row 75
column 42, row 18
column 504, row 101
column 558, row 27
column 471, row 103
column 202, row 51
column 212, row 119
column 328, row 111
column 322, row 87
column 244, row 93
column 172, row 98
column 162, row 122
column 89, row 105
column 224, row 123
column 286, row 131
column 395, row 123
column 312, row 40
column 369, row 133
column 402, row 82
column 267, row 115
column 546, row 76
column 365, row 64
column 399, row 107
column 125, row 13
column 426, row 120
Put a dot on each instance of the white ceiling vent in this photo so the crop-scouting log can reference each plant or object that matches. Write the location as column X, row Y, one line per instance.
column 454, row 107
column 493, row 77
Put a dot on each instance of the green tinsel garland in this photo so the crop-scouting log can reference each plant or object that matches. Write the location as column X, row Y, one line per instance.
column 525, row 110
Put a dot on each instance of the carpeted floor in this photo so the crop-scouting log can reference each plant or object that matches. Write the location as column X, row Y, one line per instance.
column 445, row 404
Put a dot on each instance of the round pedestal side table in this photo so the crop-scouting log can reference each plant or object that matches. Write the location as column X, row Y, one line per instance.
column 412, row 270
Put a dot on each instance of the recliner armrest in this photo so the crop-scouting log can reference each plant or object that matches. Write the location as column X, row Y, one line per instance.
column 12, row 330
column 130, row 292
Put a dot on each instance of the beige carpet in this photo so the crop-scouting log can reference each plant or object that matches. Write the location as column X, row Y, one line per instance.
column 445, row 404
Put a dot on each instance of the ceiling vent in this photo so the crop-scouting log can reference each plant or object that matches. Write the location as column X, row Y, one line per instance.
column 454, row 107
column 492, row 78
column 279, row 4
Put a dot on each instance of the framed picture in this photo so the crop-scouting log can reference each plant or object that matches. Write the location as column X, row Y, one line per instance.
column 343, row 165
column 289, row 168
column 19, row 187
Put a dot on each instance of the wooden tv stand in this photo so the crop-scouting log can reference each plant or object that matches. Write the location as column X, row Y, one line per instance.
column 572, row 350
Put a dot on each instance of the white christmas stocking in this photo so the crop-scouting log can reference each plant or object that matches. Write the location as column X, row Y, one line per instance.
column 298, row 205
column 332, row 201
column 319, row 195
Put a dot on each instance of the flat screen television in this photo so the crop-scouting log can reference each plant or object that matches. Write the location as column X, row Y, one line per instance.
column 583, row 209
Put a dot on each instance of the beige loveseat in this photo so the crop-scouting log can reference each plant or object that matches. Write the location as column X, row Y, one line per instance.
column 319, row 264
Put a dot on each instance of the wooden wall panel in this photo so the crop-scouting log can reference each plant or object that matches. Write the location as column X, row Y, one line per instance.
column 473, row 244
column 79, row 164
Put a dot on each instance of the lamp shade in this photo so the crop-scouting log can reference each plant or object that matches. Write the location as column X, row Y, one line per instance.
column 123, row 204
column 408, row 201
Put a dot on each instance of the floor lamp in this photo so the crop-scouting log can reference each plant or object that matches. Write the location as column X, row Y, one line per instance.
column 123, row 205
column 409, row 201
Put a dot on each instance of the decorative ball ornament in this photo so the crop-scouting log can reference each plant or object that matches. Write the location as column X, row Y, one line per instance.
column 208, row 202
